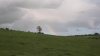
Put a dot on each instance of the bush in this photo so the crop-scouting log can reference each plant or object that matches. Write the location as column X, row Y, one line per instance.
column 7, row 29
column 96, row 34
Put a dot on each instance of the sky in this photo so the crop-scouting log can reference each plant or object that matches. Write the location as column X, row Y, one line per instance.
column 56, row 17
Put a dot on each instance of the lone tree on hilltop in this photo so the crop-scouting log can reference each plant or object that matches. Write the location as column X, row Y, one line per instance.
column 39, row 29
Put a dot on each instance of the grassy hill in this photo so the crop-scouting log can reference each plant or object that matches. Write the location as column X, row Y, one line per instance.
column 17, row 43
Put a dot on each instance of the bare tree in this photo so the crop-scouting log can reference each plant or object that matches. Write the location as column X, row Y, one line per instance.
column 39, row 29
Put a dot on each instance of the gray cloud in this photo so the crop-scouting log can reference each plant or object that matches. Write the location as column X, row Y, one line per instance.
column 55, row 16
column 10, row 10
column 8, row 15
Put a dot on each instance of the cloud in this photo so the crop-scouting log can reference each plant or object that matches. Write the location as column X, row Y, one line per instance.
column 55, row 16
column 11, row 10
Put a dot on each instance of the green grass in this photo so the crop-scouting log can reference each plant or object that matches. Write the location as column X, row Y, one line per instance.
column 16, row 43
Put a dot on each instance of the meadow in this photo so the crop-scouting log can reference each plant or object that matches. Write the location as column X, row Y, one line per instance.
column 18, row 43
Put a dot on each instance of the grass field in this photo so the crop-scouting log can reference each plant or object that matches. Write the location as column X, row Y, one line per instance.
column 16, row 43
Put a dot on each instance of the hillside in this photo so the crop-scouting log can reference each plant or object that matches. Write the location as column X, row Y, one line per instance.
column 17, row 43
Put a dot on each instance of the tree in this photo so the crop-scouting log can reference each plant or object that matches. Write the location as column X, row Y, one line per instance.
column 96, row 34
column 7, row 29
column 39, row 29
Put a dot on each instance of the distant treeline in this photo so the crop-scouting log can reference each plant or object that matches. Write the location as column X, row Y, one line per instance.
column 7, row 29
column 95, row 34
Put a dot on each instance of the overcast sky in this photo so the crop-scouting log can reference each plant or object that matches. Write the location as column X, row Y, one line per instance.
column 57, row 17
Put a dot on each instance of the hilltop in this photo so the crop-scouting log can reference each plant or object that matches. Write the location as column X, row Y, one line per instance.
column 19, row 43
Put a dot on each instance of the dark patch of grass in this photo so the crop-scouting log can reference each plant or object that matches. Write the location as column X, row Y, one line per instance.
column 13, row 55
